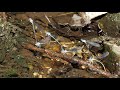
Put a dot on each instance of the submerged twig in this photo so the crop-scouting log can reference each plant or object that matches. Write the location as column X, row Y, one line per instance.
column 64, row 14
column 70, row 60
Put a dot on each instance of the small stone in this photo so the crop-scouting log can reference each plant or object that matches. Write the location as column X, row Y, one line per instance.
column 35, row 74
column 40, row 76
column 14, row 49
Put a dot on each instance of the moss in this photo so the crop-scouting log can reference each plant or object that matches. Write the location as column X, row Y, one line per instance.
column 20, row 60
column 110, row 24
column 2, row 55
column 11, row 73
column 110, row 61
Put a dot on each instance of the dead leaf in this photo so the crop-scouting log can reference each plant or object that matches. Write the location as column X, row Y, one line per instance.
column 53, row 46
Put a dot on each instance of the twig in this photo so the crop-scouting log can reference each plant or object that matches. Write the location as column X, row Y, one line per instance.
column 70, row 60
column 64, row 14
column 4, row 16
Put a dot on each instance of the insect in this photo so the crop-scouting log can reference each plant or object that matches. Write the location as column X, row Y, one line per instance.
column 92, row 59
column 49, row 34
column 38, row 44
column 91, row 43
column 62, row 49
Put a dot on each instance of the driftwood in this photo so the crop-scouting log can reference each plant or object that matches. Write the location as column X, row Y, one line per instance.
column 68, row 59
